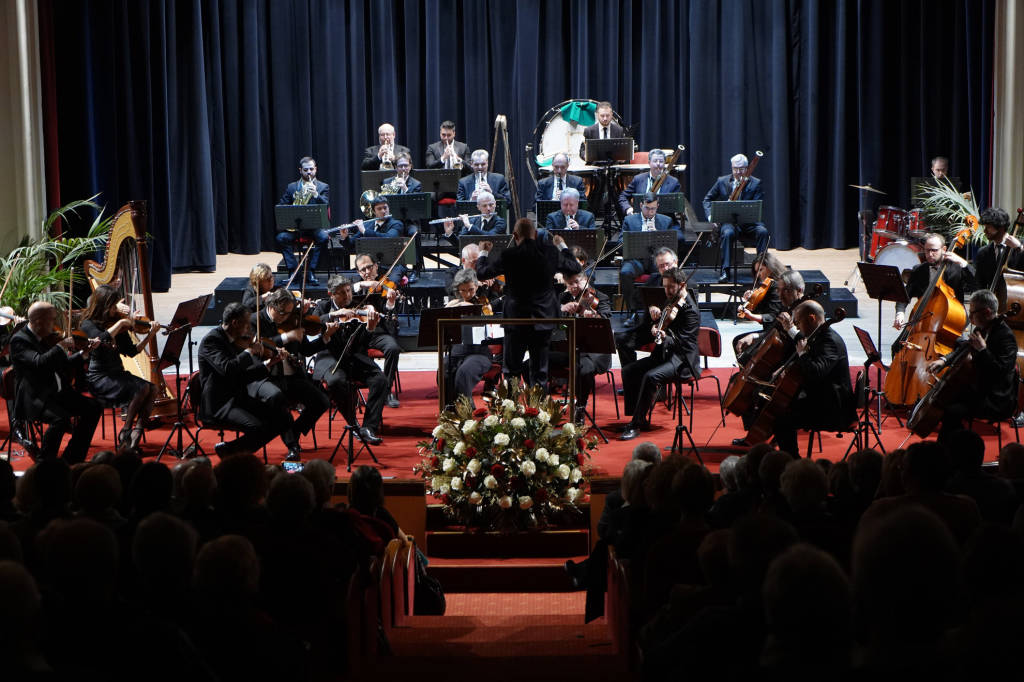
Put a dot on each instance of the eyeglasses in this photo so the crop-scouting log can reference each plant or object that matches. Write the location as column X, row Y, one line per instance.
column 365, row 268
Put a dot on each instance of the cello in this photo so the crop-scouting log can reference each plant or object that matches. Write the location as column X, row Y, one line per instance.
column 931, row 332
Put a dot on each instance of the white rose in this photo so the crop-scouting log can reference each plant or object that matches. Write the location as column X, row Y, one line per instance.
column 576, row 475
column 568, row 429
column 445, row 490
column 474, row 466
column 528, row 468
column 543, row 417
column 435, row 483
column 456, row 484
column 571, row 494
column 507, row 405
column 491, row 420
column 468, row 426
column 541, row 455
column 505, row 502
column 475, row 497
column 518, row 423
column 553, row 460
column 459, row 448
column 438, row 430
column 525, row 502
column 490, row 482
column 501, row 439
column 563, row 472
column 447, row 465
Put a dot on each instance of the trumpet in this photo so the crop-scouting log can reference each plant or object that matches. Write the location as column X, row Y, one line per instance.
column 451, row 159
column 387, row 157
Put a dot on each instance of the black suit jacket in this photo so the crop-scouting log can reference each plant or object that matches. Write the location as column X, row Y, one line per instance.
column 593, row 132
column 556, row 220
column 720, row 191
column 985, row 268
column 826, row 399
column 680, row 344
column 36, row 368
column 529, row 269
column 412, row 185
column 339, row 339
column 546, row 187
column 495, row 180
column 436, row 149
column 638, row 185
column 225, row 372
column 322, row 188
column 370, row 160
column 995, row 372
column 960, row 279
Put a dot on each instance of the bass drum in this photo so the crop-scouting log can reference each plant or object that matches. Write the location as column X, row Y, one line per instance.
column 557, row 132
column 903, row 255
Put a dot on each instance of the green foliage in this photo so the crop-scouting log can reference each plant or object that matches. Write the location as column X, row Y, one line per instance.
column 946, row 209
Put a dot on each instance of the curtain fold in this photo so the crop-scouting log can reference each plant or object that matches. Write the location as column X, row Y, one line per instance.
column 204, row 107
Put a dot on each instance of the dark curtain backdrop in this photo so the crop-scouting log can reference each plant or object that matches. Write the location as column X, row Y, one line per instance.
column 204, row 107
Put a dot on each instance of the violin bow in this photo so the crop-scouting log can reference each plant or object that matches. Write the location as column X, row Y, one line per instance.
column 301, row 265
column 593, row 268
column 394, row 264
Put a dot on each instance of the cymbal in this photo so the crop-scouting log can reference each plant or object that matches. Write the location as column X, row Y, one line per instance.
column 868, row 188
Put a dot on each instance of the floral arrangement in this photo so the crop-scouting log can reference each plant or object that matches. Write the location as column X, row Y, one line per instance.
column 515, row 464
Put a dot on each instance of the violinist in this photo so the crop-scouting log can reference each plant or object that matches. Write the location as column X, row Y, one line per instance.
column 648, row 220
column 470, row 360
column 228, row 364
column 581, row 299
column 959, row 274
column 1003, row 249
column 289, row 383
column 626, row 341
column 107, row 318
column 763, row 302
column 992, row 390
column 344, row 360
column 382, row 294
column 674, row 331
column 44, row 366
column 261, row 280
column 825, row 399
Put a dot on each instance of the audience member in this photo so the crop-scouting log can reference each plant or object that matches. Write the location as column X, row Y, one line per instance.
column 995, row 497
column 21, row 656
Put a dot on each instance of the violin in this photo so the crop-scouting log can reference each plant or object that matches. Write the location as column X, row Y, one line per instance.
column 485, row 304
column 755, row 298
column 7, row 315
column 80, row 338
column 669, row 312
column 346, row 315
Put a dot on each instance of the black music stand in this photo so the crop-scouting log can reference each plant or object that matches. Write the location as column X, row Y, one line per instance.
column 882, row 283
column 669, row 203
column 427, row 337
column 301, row 217
column 546, row 206
column 469, row 208
column 642, row 245
column 409, row 207
column 384, row 250
column 373, row 179
column 594, row 335
column 188, row 315
column 612, row 150
column 917, row 196
column 588, row 240
column 866, row 393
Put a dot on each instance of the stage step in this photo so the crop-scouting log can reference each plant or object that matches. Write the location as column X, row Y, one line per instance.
column 529, row 544
column 842, row 297
column 503, row 575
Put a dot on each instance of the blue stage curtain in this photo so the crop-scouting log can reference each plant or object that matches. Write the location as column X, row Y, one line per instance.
column 204, row 107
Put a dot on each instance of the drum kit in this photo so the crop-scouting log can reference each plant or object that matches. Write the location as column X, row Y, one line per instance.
column 897, row 235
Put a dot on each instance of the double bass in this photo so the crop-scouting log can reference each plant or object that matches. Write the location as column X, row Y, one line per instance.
column 126, row 267
column 934, row 326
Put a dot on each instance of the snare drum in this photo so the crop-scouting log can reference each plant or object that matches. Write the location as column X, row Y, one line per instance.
column 903, row 255
column 891, row 219
column 879, row 240
column 916, row 228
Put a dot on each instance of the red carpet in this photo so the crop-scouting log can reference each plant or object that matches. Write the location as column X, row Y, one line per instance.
column 414, row 420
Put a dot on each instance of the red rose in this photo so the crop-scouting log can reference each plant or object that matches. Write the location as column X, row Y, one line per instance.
column 446, row 499
column 580, row 444
column 470, row 482
column 580, row 458
column 517, row 483
column 435, row 461
column 532, row 411
column 497, row 470
column 440, row 444
column 480, row 412
column 528, row 443
column 470, row 451
column 540, row 495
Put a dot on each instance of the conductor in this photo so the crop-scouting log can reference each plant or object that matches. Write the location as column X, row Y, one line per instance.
column 529, row 268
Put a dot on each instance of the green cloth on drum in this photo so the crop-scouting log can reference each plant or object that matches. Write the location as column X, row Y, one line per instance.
column 581, row 112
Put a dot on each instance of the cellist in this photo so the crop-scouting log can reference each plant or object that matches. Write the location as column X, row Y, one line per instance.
column 959, row 274
column 992, row 390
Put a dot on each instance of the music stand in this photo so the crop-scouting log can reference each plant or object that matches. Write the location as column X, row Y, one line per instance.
column 384, row 250
column 643, row 245
column 439, row 180
column 864, row 425
column 373, row 179
column 188, row 315
column 588, row 240
column 882, row 283
column 469, row 208
column 612, row 150
column 301, row 217
column 409, row 207
column 546, row 206
column 594, row 335
column 669, row 203
column 427, row 337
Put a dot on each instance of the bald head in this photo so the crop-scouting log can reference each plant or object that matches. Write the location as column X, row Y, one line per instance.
column 41, row 318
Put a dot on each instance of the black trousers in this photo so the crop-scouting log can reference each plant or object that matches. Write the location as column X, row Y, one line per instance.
column 518, row 340
column 256, row 421
column 388, row 345
column 588, row 366
column 59, row 415
column 342, row 389
column 281, row 393
column 640, row 381
column 463, row 373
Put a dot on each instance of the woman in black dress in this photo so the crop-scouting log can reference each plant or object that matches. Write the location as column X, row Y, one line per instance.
column 106, row 318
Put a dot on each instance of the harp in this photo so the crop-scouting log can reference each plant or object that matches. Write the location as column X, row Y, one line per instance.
column 126, row 267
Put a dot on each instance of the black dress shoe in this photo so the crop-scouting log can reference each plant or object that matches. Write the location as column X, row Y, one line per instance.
column 223, row 450
column 581, row 415
column 392, row 401
column 620, row 391
column 740, row 443
column 312, row 280
column 292, row 456
column 633, row 320
column 630, row 433
column 367, row 435
column 573, row 569
column 412, row 276
column 723, row 276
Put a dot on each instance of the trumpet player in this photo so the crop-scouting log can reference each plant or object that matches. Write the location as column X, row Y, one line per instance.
column 382, row 156
column 448, row 152
column 483, row 181
column 551, row 187
column 402, row 182
column 306, row 190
